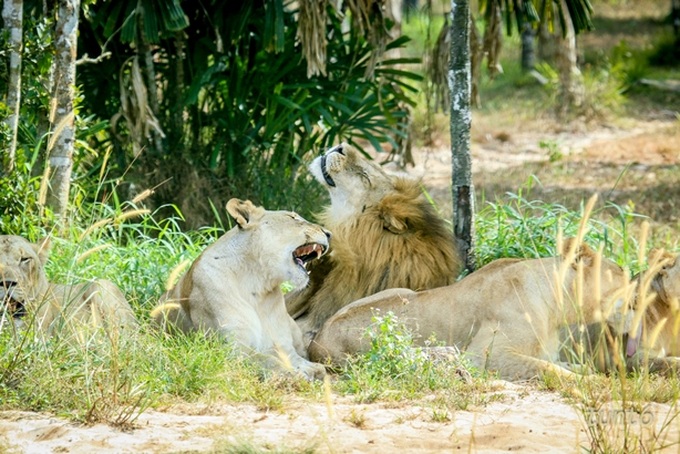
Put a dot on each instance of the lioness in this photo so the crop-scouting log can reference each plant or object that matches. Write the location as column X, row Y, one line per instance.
column 385, row 235
column 27, row 297
column 505, row 316
column 234, row 287
column 654, row 342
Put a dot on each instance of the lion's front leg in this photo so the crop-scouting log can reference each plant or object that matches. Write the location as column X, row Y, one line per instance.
column 287, row 344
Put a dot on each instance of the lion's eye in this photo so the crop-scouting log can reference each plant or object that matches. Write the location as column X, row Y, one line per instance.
column 364, row 177
column 25, row 260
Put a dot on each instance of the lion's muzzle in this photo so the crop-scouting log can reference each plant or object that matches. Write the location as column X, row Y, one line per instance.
column 324, row 172
column 324, row 163
column 10, row 299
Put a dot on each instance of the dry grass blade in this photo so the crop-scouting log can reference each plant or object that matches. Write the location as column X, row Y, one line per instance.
column 175, row 273
column 134, row 105
column 369, row 17
column 142, row 196
column 312, row 35
column 97, row 225
column 132, row 214
column 91, row 251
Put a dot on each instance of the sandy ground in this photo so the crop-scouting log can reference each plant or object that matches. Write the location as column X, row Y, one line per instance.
column 590, row 160
column 523, row 419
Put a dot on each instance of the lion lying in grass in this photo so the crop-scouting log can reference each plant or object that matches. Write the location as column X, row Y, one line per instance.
column 26, row 297
column 506, row 316
column 654, row 340
column 234, row 287
column 385, row 235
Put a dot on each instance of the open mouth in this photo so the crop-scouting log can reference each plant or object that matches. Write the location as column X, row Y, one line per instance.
column 13, row 308
column 305, row 254
column 324, row 172
column 8, row 303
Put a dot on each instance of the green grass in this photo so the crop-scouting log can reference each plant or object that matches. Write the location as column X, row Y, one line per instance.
column 114, row 381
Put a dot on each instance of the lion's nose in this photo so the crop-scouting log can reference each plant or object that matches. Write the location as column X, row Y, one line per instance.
column 8, row 283
column 338, row 149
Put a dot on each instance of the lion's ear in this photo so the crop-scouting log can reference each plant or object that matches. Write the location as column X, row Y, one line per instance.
column 244, row 212
column 657, row 255
column 585, row 255
column 582, row 252
column 661, row 259
column 394, row 224
column 42, row 248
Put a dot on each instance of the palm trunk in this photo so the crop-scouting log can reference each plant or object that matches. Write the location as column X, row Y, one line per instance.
column 528, row 54
column 461, row 116
column 493, row 39
column 547, row 42
column 62, row 143
column 572, row 91
column 177, row 92
column 476, row 57
column 150, row 79
column 12, row 14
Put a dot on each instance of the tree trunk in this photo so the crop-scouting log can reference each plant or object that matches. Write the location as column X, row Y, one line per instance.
column 12, row 14
column 528, row 54
column 461, row 116
column 177, row 93
column 493, row 39
column 62, row 142
column 150, row 79
column 547, row 39
column 476, row 57
column 572, row 90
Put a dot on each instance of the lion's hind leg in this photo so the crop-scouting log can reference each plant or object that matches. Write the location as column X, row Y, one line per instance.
column 509, row 354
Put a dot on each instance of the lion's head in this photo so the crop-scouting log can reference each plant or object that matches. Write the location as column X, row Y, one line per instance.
column 666, row 282
column 602, row 289
column 353, row 181
column 22, row 274
column 385, row 235
column 286, row 242
column 670, row 280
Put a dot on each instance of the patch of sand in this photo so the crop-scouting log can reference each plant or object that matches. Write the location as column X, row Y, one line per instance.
column 519, row 418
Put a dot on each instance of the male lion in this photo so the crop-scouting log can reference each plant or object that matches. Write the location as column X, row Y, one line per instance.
column 505, row 316
column 26, row 297
column 654, row 341
column 234, row 287
column 385, row 235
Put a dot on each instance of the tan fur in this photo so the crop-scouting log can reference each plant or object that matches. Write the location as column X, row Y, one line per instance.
column 385, row 235
column 654, row 341
column 27, row 297
column 505, row 316
column 234, row 287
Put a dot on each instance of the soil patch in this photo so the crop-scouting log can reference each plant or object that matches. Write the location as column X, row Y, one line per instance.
column 518, row 418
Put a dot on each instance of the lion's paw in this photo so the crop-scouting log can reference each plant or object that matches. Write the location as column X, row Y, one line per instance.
column 313, row 371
